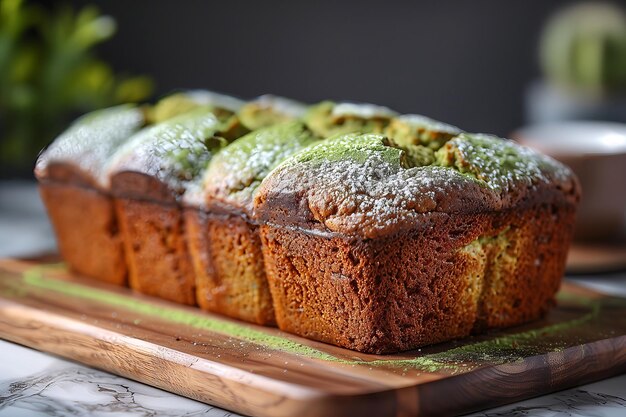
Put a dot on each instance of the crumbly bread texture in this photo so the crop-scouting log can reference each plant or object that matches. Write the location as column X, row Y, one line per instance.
column 148, row 177
column 411, row 130
column 371, row 248
column 71, row 183
column 224, row 245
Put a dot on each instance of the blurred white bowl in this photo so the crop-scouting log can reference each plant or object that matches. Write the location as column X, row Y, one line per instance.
column 596, row 151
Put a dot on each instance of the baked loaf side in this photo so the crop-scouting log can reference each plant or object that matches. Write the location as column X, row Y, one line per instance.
column 373, row 249
column 148, row 177
column 71, row 184
column 224, row 244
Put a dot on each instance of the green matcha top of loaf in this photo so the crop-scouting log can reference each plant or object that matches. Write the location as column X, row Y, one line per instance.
column 236, row 171
column 367, row 185
column 172, row 152
column 329, row 118
column 90, row 141
column 224, row 107
column 414, row 129
column 268, row 110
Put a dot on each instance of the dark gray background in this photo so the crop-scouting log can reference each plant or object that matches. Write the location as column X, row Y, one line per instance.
column 465, row 62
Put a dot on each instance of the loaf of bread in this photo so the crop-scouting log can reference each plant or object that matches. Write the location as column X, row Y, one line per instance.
column 73, row 187
column 148, row 176
column 381, row 247
column 222, row 234
column 345, row 223
column 224, row 247
column 223, row 240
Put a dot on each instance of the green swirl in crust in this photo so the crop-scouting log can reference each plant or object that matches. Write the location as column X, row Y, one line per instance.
column 493, row 161
column 501, row 164
column 237, row 170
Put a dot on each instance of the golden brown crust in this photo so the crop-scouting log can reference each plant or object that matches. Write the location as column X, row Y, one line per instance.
column 156, row 251
column 228, row 263
column 86, row 228
column 419, row 286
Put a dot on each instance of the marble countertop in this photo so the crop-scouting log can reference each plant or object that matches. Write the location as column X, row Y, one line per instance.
column 34, row 383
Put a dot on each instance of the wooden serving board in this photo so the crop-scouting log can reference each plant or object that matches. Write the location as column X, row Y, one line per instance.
column 262, row 371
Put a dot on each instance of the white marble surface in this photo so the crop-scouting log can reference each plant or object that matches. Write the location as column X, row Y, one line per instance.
column 37, row 384
column 34, row 384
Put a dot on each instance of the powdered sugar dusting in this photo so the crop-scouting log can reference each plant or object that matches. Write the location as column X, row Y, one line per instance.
column 419, row 121
column 376, row 195
column 286, row 106
column 361, row 110
column 174, row 151
column 91, row 140
column 361, row 184
column 236, row 171
column 502, row 164
column 211, row 98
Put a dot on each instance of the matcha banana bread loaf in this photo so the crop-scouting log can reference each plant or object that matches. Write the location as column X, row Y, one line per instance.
column 73, row 188
column 382, row 244
column 223, row 237
column 232, row 282
column 148, row 176
column 340, row 222
column 74, row 185
column 224, row 242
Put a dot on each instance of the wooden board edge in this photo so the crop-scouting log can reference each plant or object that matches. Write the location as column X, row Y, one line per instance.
column 206, row 381
column 533, row 377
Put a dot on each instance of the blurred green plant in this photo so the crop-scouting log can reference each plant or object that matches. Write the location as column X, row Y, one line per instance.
column 49, row 73
column 583, row 47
